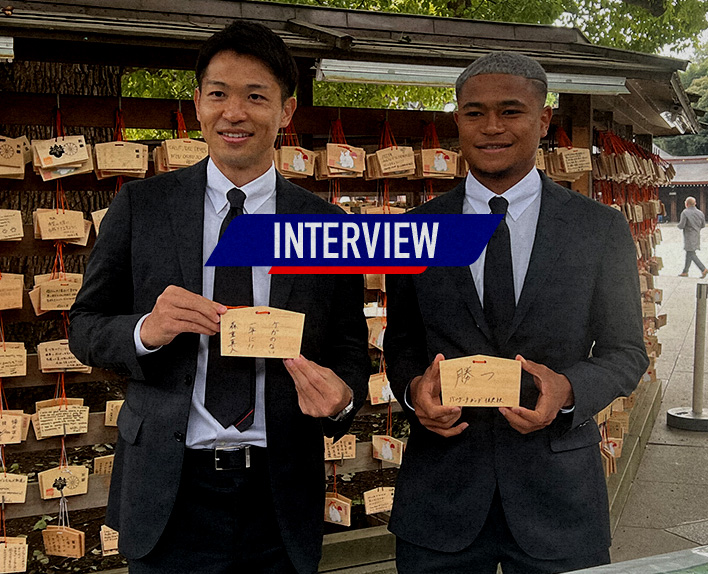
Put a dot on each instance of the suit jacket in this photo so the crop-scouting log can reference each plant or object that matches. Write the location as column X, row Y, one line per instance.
column 150, row 238
column 692, row 221
column 579, row 313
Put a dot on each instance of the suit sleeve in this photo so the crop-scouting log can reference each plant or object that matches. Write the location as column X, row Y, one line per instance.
column 618, row 358
column 102, row 320
column 405, row 345
column 682, row 220
column 347, row 352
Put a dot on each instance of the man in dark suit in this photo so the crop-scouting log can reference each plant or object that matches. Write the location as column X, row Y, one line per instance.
column 219, row 462
column 557, row 289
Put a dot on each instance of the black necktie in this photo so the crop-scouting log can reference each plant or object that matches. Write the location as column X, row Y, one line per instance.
column 231, row 381
column 499, row 301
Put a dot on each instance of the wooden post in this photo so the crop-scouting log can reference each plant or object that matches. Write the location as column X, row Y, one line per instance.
column 579, row 107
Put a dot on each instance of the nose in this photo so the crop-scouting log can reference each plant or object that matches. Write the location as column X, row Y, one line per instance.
column 234, row 110
column 493, row 124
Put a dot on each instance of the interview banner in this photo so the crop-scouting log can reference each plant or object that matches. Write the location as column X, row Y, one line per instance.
column 405, row 243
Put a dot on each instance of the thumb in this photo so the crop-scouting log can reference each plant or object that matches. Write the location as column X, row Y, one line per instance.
column 531, row 368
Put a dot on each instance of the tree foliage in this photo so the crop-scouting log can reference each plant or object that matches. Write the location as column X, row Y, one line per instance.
column 627, row 24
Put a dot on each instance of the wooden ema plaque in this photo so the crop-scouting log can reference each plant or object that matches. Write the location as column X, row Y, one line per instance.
column 119, row 156
column 13, row 554
column 379, row 499
column 11, row 153
column 11, row 428
column 74, row 480
column 63, row 541
column 11, row 290
column 61, row 151
column 338, row 509
column 13, row 360
column 55, row 356
column 25, row 420
column 103, row 464
column 345, row 158
column 13, row 488
column 58, row 294
column 380, row 390
column 97, row 217
column 437, row 162
column 11, row 228
column 58, row 224
column 109, row 541
column 293, row 160
column 86, row 166
column 480, row 381
column 377, row 328
column 184, row 152
column 112, row 411
column 396, row 159
column 387, row 448
column 344, row 448
column 261, row 332
column 62, row 420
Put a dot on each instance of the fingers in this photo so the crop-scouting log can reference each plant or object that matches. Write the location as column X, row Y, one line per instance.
column 432, row 414
column 321, row 392
column 180, row 311
column 524, row 420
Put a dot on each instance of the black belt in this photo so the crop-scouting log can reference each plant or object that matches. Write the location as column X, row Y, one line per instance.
column 239, row 458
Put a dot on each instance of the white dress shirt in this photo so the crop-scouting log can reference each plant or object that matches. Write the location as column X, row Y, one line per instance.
column 203, row 430
column 521, row 217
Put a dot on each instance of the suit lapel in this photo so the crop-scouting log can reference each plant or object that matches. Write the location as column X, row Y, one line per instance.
column 552, row 234
column 185, row 204
column 453, row 203
column 287, row 200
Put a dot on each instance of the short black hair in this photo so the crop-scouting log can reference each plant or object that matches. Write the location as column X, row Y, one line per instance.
column 510, row 63
column 252, row 39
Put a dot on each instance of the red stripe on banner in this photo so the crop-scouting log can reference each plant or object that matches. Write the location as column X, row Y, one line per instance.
column 305, row 270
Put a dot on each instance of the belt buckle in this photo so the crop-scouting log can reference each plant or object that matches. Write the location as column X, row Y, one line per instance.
column 247, row 455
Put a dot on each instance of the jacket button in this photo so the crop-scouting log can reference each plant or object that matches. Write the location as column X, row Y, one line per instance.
column 179, row 436
column 188, row 380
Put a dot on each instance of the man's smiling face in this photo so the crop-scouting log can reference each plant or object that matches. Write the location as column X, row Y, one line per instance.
column 501, row 119
column 240, row 108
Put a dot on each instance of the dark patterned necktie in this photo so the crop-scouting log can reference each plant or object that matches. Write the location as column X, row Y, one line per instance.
column 231, row 381
column 499, row 301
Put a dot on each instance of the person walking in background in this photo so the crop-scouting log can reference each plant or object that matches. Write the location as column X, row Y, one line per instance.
column 692, row 221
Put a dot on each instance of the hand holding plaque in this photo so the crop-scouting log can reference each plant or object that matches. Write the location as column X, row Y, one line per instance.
column 555, row 392
column 427, row 402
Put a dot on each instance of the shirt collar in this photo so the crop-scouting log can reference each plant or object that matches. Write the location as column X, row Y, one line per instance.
column 519, row 196
column 257, row 191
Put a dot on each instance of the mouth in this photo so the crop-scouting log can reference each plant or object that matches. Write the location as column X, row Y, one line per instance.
column 493, row 147
column 234, row 136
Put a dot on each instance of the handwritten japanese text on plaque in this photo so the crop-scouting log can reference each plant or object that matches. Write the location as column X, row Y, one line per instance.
column 480, row 381
column 261, row 332
column 66, row 419
column 379, row 499
column 344, row 448
column 13, row 554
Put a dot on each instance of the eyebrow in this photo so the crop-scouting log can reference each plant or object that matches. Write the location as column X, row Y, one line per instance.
column 219, row 83
column 502, row 103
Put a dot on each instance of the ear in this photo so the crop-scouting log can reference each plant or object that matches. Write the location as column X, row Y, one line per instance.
column 456, row 115
column 546, row 116
column 289, row 107
column 197, row 96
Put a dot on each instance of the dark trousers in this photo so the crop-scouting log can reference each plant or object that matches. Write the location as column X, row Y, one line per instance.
column 223, row 522
column 691, row 256
column 493, row 546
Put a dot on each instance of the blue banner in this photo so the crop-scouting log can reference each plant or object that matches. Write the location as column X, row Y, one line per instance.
column 401, row 240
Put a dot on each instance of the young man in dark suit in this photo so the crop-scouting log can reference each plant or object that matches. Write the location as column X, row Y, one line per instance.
column 219, row 463
column 557, row 289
